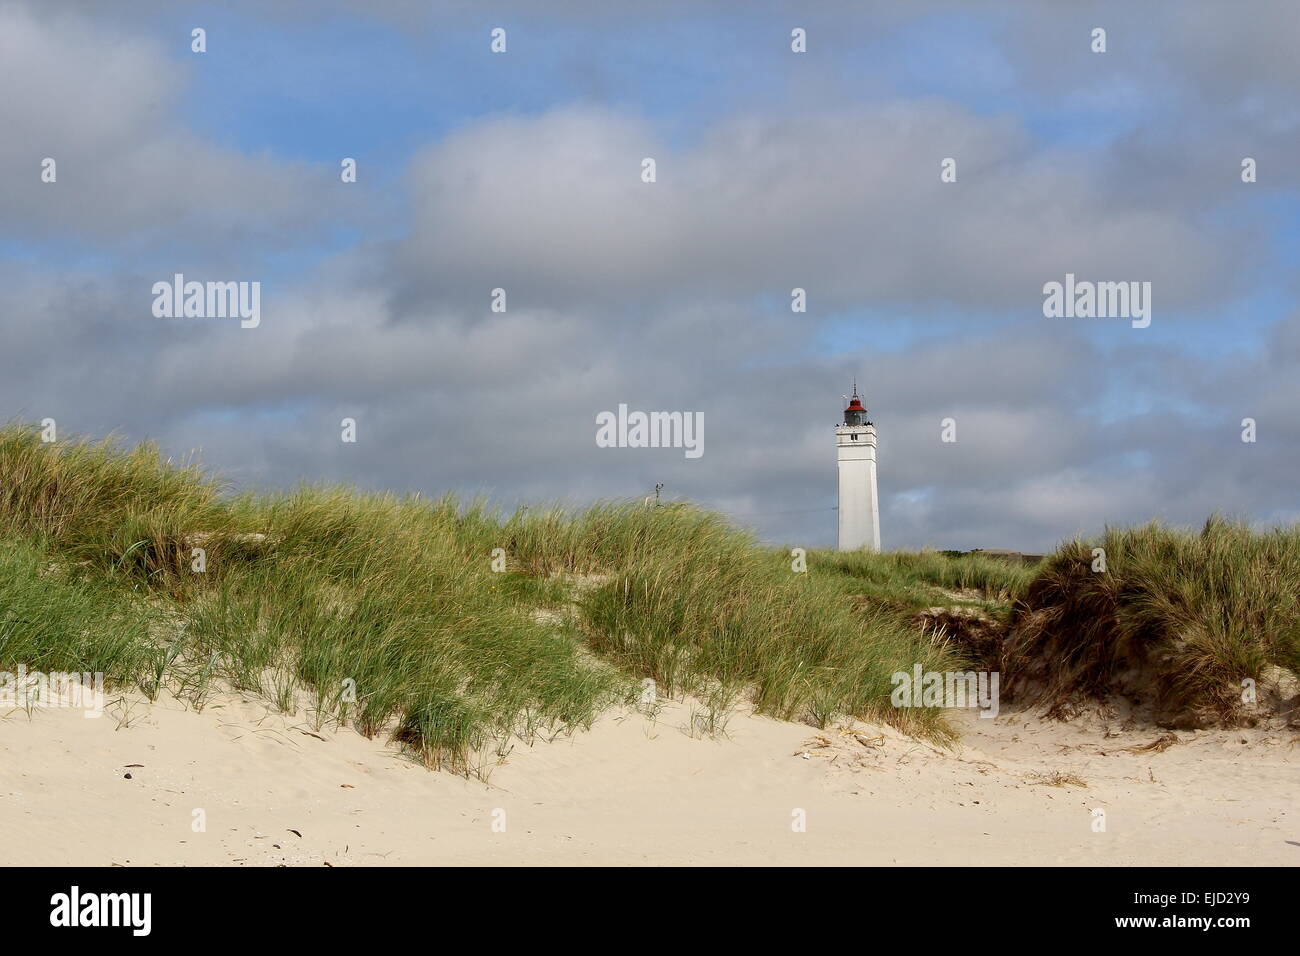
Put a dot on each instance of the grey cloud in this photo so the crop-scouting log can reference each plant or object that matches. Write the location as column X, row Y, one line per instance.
column 105, row 105
column 848, row 205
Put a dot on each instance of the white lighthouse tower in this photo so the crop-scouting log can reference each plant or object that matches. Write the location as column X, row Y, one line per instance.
column 855, row 443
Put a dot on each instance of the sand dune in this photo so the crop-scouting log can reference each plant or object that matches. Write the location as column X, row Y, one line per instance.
column 275, row 790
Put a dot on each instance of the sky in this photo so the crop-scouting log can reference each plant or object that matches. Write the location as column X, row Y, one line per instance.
column 522, row 170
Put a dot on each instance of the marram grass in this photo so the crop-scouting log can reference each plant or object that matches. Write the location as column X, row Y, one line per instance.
column 393, row 613
column 1175, row 617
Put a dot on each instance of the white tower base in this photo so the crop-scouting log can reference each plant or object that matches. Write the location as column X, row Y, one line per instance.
column 859, row 505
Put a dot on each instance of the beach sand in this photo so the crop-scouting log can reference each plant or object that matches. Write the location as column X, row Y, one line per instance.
column 275, row 790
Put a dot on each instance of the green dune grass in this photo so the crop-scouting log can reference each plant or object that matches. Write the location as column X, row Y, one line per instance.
column 389, row 613
column 1177, row 617
column 908, row 582
column 455, row 630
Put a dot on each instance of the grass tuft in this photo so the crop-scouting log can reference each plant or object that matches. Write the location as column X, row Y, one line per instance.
column 1177, row 618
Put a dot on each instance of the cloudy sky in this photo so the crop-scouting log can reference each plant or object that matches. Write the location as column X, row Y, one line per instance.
column 775, row 170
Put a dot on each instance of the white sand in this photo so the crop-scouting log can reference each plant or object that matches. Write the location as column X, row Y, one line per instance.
column 635, row 792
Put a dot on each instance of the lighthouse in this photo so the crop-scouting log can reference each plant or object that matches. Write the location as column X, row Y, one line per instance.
column 855, row 444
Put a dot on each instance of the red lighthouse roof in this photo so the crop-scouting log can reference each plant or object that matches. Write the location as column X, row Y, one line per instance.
column 856, row 413
column 855, row 403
